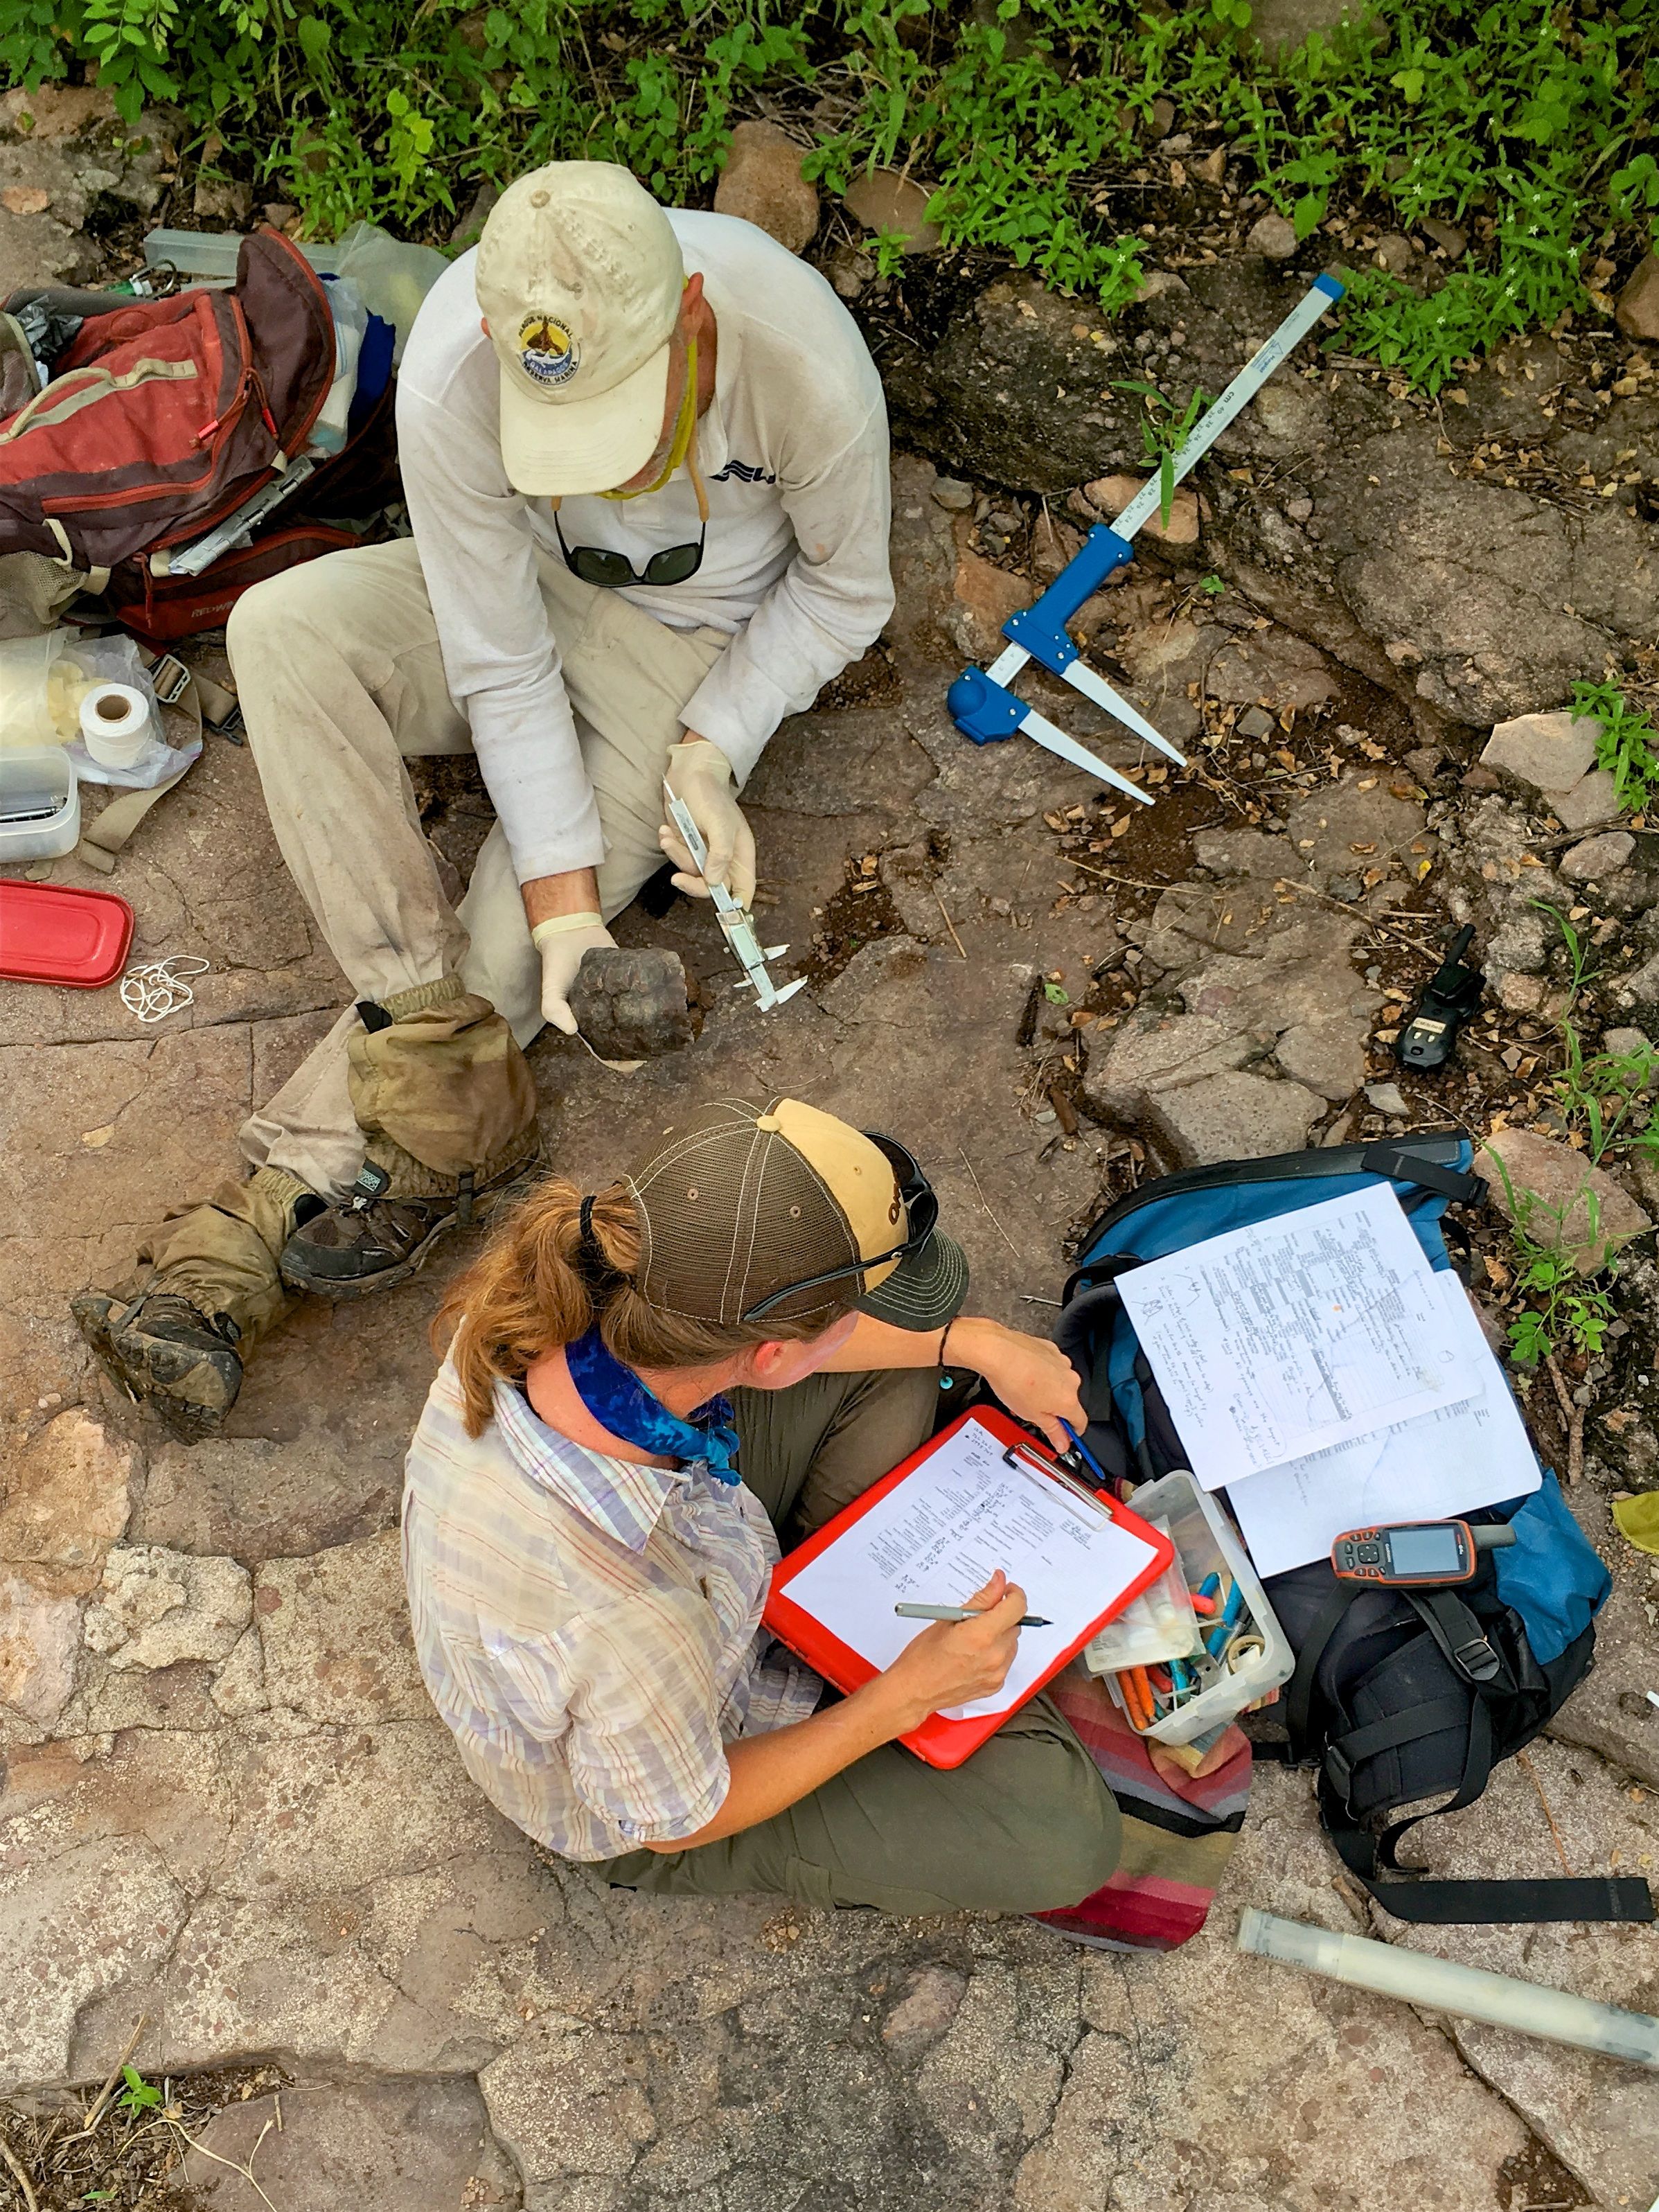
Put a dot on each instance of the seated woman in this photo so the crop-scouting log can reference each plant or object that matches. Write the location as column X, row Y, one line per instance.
column 586, row 1566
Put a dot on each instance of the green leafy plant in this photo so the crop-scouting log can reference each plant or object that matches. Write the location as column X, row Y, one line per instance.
column 1567, row 1309
column 1526, row 122
column 1608, row 1103
column 1627, row 747
column 1162, row 434
column 138, row 2095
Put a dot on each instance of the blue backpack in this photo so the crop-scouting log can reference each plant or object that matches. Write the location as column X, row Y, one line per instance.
column 1398, row 1696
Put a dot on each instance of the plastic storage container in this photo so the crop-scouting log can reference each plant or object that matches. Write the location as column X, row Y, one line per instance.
column 1207, row 1543
column 1159, row 1623
column 40, row 691
column 39, row 805
column 52, row 935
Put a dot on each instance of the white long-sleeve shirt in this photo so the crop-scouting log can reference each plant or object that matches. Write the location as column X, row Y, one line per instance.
column 793, row 452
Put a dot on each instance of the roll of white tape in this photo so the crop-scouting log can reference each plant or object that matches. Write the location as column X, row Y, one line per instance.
column 116, row 724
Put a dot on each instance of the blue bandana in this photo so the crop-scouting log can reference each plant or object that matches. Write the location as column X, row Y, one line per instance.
column 619, row 1401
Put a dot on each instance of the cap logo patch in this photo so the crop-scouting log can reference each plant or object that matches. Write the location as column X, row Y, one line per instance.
column 547, row 353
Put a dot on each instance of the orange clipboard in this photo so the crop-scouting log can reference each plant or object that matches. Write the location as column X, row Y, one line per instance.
column 939, row 1741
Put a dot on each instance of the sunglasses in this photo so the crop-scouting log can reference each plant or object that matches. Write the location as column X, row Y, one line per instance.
column 596, row 564
column 921, row 1203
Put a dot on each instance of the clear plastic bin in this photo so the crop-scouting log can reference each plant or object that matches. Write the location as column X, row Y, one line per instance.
column 1159, row 1623
column 1207, row 1543
column 39, row 805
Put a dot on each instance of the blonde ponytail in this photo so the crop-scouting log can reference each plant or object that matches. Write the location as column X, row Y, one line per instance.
column 538, row 1283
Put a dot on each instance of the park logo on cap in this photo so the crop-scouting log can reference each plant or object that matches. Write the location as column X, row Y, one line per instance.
column 548, row 354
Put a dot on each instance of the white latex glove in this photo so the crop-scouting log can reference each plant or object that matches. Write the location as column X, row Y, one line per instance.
column 561, row 941
column 701, row 775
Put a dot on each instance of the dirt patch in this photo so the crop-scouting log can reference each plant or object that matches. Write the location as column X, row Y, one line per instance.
column 1535, row 2180
column 126, row 2162
column 858, row 913
column 871, row 681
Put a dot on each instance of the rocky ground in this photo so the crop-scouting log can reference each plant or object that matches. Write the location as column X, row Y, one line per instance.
column 233, row 1837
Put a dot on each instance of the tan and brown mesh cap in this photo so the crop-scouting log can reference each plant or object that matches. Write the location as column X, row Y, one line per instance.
column 741, row 1199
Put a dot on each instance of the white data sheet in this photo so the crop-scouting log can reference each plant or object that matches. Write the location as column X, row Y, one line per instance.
column 940, row 1534
column 1272, row 1341
column 1431, row 1468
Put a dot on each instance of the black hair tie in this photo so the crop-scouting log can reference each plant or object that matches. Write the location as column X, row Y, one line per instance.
column 590, row 1253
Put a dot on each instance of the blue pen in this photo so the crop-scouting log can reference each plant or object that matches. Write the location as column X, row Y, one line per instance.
column 1084, row 1452
column 1216, row 1641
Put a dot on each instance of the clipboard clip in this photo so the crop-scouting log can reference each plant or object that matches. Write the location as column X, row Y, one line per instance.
column 1100, row 1499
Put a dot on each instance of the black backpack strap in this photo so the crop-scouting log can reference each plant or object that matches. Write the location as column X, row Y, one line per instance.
column 1401, row 1164
column 1472, row 1904
column 1298, row 1698
column 1435, row 1902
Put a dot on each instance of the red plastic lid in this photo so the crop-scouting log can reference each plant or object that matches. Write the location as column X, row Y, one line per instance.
column 48, row 935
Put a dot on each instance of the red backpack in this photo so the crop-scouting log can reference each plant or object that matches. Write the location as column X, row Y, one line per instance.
column 163, row 415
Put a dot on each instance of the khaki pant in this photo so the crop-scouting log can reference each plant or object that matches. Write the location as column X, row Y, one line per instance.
column 340, row 676
column 1025, row 1826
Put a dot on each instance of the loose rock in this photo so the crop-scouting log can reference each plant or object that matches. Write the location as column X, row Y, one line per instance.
column 1111, row 494
column 952, row 494
column 1328, row 1057
column 1597, row 857
column 883, row 200
column 1232, row 1117
column 1545, row 754
column 1637, row 312
column 631, row 1003
column 1452, row 242
column 763, row 184
column 1273, row 237
column 1549, row 1190
column 1153, row 1054
column 931, row 2002
column 1053, row 545
column 401, row 2145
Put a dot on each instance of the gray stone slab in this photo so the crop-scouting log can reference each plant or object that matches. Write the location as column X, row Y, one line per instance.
column 1232, row 1117
column 374, row 2145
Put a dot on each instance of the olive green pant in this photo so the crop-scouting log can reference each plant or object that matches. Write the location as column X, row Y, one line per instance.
column 1024, row 1825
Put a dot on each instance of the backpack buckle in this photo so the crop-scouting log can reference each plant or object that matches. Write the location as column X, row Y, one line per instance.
column 1340, row 1767
column 1477, row 1659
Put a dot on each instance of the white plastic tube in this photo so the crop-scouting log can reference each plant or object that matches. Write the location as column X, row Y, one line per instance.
column 1393, row 1973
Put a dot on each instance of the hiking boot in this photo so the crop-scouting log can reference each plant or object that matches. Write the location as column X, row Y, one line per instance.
column 174, row 1337
column 165, row 1353
column 385, row 1232
column 447, row 1103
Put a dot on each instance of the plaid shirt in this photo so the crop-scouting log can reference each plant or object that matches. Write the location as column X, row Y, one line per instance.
column 589, row 1628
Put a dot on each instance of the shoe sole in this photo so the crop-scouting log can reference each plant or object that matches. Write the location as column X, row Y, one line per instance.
column 150, row 1370
column 338, row 1290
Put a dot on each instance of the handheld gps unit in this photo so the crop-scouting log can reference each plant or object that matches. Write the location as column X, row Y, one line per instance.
column 1418, row 1553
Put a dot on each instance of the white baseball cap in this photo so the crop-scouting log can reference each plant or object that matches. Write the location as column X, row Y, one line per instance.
column 579, row 277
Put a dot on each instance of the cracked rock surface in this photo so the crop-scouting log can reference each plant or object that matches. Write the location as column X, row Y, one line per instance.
column 227, row 1807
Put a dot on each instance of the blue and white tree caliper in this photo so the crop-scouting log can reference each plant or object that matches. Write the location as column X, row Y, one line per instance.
column 980, row 703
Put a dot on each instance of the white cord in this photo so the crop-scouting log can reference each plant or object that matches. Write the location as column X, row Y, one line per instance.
column 156, row 988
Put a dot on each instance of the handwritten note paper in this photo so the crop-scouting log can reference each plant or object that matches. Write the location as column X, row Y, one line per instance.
column 1430, row 1468
column 942, row 1533
column 1275, row 1340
